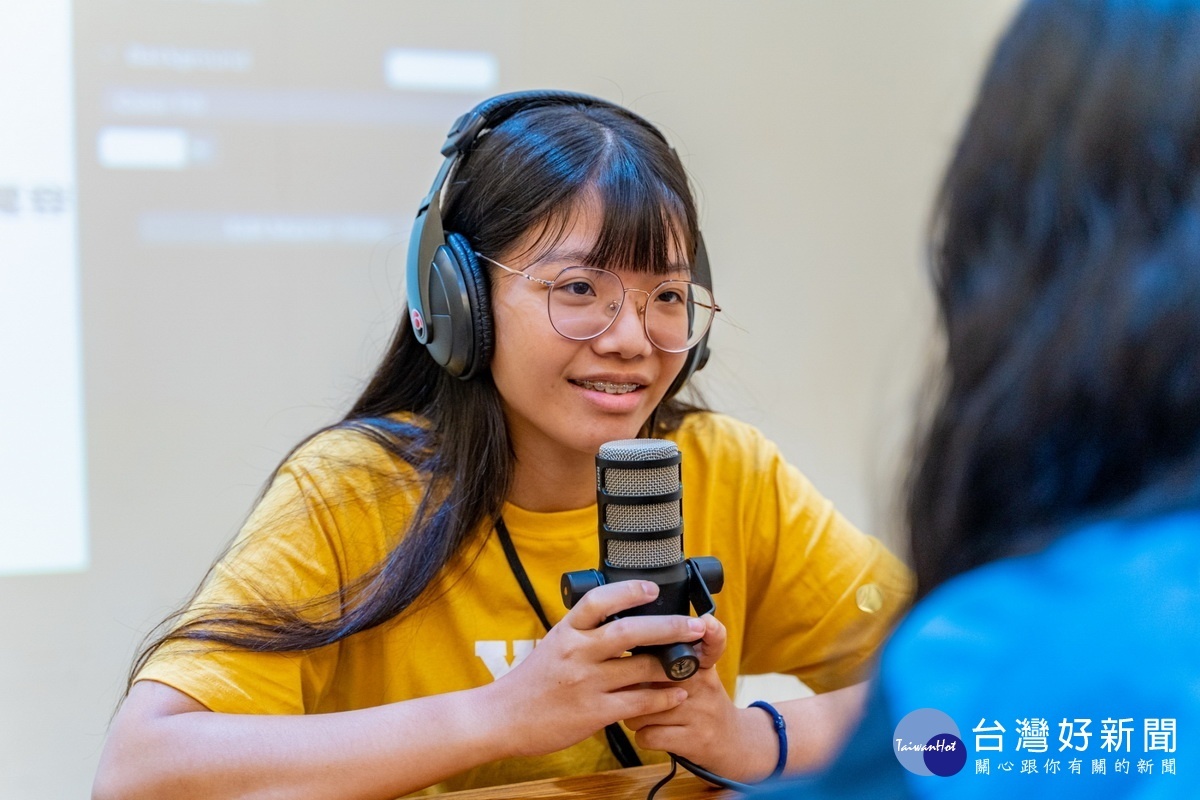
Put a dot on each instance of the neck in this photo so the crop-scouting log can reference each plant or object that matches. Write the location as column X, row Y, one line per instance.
column 556, row 484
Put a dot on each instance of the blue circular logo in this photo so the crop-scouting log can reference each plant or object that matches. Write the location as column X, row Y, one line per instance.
column 928, row 742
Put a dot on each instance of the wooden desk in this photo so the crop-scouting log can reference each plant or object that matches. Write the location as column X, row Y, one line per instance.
column 620, row 784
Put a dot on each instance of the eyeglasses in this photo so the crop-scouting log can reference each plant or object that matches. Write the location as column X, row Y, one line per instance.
column 583, row 303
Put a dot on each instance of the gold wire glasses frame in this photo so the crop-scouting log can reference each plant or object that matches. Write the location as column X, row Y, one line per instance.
column 583, row 302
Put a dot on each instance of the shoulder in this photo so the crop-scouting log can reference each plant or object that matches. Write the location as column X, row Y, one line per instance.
column 342, row 492
column 1121, row 565
column 736, row 458
column 708, row 435
column 355, row 453
column 1075, row 620
column 737, row 455
column 346, row 478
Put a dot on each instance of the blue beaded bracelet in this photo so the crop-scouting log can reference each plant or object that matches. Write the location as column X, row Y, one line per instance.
column 780, row 731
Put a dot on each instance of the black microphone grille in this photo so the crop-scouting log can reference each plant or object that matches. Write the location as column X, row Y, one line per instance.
column 652, row 554
column 638, row 480
column 638, row 449
column 637, row 473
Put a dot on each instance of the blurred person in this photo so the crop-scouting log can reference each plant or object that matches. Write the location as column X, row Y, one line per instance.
column 367, row 635
column 1054, row 498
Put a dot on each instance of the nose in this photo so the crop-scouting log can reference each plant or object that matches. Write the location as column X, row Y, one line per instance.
column 627, row 334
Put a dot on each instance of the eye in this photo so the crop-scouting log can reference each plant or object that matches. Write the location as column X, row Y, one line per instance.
column 671, row 296
column 577, row 288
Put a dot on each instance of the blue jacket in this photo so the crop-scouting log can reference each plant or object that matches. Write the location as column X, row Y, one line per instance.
column 1103, row 625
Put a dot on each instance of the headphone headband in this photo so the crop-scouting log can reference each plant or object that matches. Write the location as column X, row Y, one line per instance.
column 496, row 110
column 448, row 299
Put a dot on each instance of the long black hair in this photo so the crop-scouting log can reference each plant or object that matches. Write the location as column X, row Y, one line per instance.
column 530, row 173
column 1066, row 264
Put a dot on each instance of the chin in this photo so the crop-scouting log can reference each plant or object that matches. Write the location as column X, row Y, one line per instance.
column 610, row 433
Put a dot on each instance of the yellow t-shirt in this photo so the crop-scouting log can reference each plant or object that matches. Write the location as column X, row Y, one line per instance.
column 792, row 566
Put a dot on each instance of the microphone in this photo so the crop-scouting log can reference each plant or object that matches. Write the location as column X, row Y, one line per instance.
column 639, row 501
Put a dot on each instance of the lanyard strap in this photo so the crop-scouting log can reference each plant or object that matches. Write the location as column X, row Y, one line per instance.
column 518, row 571
column 618, row 742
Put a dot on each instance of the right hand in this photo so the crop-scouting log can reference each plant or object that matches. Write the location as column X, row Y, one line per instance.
column 578, row 679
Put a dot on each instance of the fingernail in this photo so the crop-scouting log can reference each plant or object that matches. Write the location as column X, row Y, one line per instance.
column 649, row 588
column 696, row 625
column 680, row 695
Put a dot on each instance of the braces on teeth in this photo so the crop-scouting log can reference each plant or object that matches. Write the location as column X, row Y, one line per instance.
column 609, row 388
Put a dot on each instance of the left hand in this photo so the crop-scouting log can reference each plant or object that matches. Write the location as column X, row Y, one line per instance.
column 707, row 728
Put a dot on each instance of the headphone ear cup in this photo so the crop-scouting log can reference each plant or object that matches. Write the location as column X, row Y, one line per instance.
column 479, row 312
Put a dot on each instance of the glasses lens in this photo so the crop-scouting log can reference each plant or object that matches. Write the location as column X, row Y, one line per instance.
column 584, row 301
column 678, row 315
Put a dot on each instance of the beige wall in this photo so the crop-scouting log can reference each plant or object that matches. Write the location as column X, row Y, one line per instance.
column 815, row 133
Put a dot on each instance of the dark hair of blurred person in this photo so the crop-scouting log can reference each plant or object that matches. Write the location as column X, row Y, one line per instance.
column 1054, row 496
column 1066, row 264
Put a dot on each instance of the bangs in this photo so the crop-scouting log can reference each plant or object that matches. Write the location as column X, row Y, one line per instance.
column 646, row 226
column 529, row 179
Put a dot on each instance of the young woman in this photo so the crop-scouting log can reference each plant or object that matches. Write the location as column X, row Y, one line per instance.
column 1054, row 501
column 366, row 637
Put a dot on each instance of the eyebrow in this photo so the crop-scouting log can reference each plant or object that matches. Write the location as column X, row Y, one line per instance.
column 580, row 258
column 574, row 256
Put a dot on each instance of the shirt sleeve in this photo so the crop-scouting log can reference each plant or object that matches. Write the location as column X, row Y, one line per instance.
column 822, row 596
column 291, row 553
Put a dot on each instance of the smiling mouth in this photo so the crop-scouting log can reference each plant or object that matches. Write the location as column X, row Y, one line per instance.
column 609, row 388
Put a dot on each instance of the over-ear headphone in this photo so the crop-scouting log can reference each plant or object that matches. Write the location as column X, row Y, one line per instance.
column 448, row 300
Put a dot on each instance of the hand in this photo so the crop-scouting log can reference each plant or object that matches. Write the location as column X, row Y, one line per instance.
column 578, row 679
column 707, row 729
column 712, row 643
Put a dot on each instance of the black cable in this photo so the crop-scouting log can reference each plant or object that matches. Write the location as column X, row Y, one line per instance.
column 725, row 783
column 654, row 789
column 699, row 772
column 712, row 777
